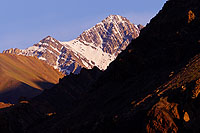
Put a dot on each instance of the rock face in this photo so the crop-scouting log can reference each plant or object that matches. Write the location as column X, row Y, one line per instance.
column 161, row 117
column 97, row 46
column 112, row 35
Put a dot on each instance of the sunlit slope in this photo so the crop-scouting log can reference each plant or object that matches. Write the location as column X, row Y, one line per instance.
column 16, row 71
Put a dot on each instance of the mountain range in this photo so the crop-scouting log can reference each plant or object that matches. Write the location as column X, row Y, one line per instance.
column 97, row 46
column 152, row 86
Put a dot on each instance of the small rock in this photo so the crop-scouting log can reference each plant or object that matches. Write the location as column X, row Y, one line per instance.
column 186, row 117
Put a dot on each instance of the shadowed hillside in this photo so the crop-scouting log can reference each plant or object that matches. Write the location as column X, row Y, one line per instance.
column 24, row 76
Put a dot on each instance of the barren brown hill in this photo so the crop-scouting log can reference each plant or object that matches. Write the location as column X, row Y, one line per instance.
column 24, row 76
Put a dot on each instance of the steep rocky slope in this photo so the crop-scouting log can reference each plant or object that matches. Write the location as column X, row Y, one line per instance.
column 152, row 86
column 97, row 46
column 24, row 76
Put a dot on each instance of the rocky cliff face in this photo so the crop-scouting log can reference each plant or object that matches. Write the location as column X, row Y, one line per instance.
column 97, row 46
column 113, row 34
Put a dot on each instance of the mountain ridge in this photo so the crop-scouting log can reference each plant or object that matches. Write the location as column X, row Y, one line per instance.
column 97, row 46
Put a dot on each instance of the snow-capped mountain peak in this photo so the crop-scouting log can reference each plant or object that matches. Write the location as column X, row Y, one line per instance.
column 112, row 34
column 97, row 46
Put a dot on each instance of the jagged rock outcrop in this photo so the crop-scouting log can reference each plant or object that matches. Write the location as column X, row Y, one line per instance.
column 161, row 117
column 13, row 51
column 97, row 46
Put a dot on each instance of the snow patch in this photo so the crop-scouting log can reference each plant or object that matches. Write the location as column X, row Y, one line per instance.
column 42, row 58
column 91, row 54
column 55, row 49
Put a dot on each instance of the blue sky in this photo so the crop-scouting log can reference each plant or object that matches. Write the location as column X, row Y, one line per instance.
column 25, row 22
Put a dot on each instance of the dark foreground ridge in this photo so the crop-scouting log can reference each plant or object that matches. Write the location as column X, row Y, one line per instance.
column 152, row 86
